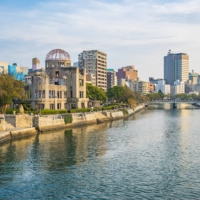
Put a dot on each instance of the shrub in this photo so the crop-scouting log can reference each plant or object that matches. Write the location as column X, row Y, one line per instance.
column 125, row 112
column 10, row 111
column 68, row 119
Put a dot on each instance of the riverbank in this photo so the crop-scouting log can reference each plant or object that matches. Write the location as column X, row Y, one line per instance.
column 37, row 124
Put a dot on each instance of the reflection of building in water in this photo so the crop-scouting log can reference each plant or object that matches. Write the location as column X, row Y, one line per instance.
column 90, row 141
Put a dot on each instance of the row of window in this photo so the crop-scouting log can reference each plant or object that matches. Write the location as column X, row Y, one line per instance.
column 52, row 94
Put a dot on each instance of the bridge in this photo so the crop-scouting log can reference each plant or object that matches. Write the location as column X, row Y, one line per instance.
column 175, row 102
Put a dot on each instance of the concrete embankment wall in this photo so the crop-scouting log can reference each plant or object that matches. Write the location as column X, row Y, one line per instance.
column 19, row 121
column 45, row 123
column 48, row 123
column 6, row 136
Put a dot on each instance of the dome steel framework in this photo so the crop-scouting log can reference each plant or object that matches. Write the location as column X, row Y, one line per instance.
column 57, row 54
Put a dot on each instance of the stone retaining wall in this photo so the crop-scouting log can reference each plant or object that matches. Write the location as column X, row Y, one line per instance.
column 47, row 123
column 17, row 133
column 117, row 114
column 19, row 121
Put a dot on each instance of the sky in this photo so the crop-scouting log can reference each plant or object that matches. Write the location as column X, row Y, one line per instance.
column 131, row 32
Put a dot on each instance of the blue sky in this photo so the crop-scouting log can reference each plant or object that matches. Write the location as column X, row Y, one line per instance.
column 131, row 32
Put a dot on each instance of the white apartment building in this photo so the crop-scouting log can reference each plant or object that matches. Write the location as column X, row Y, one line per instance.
column 165, row 88
column 178, row 88
column 95, row 62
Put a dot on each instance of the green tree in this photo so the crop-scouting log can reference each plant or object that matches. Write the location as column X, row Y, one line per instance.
column 161, row 94
column 10, row 89
column 116, row 93
column 95, row 93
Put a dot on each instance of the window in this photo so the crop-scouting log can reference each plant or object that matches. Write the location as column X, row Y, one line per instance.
column 58, row 105
column 80, row 94
column 51, row 106
column 50, row 95
column 43, row 93
column 81, row 82
column 40, row 95
column 57, row 73
column 65, row 94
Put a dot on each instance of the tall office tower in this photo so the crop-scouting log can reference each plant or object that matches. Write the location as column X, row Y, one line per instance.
column 176, row 67
column 111, row 78
column 35, row 64
column 95, row 62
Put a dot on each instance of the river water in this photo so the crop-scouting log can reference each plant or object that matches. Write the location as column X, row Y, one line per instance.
column 153, row 155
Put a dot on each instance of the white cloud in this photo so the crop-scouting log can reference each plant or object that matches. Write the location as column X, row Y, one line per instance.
column 129, row 32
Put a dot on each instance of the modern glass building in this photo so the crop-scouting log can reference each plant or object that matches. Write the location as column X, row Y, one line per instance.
column 176, row 67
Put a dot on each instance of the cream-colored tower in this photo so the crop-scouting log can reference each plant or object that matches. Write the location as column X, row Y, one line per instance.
column 95, row 62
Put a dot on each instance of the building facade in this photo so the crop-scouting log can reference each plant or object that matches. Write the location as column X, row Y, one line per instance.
column 121, row 82
column 163, row 87
column 111, row 78
column 154, row 81
column 176, row 67
column 35, row 64
column 177, row 88
column 95, row 62
column 128, row 73
column 193, row 78
column 139, row 86
column 18, row 72
column 91, row 78
column 58, row 86
column 3, row 67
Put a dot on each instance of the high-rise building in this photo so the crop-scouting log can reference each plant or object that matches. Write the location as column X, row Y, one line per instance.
column 176, row 67
column 128, row 73
column 35, row 64
column 95, row 62
column 111, row 78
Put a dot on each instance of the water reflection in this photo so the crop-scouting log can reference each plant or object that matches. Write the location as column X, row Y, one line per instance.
column 152, row 155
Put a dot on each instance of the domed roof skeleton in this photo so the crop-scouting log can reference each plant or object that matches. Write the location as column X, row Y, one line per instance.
column 57, row 54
